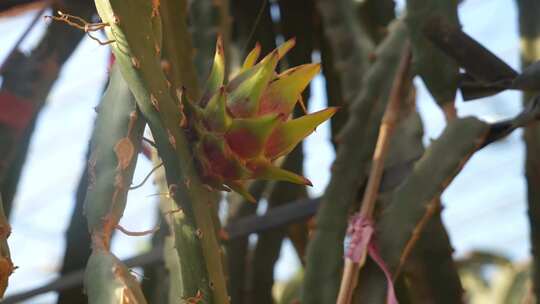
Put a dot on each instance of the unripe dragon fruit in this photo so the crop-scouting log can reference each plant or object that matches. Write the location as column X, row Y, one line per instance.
column 243, row 126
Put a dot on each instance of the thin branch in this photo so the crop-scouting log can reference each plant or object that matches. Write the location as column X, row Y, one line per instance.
column 137, row 233
column 254, row 27
column 82, row 24
column 146, row 177
column 149, row 141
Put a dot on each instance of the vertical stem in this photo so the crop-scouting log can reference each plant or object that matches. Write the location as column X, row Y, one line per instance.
column 115, row 147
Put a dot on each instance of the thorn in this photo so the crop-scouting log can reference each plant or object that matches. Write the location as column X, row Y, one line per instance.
column 154, row 102
column 82, row 24
column 196, row 299
column 135, row 62
column 172, row 140
column 137, row 274
column 136, row 233
column 153, row 144
column 173, row 211
column 173, row 188
column 159, row 194
column 155, row 8
column 302, row 104
column 146, row 177
column 166, row 66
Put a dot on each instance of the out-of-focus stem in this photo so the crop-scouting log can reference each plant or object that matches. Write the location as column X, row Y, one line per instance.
column 6, row 265
column 529, row 27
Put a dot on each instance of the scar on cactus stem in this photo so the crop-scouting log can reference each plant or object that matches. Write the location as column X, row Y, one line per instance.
column 243, row 126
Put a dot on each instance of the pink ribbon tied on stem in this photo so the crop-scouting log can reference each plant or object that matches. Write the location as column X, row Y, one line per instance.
column 361, row 232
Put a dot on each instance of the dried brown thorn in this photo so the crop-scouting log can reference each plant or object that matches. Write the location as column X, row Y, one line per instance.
column 146, row 177
column 136, row 233
column 82, row 24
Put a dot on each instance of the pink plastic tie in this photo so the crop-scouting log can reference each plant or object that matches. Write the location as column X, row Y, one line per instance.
column 361, row 232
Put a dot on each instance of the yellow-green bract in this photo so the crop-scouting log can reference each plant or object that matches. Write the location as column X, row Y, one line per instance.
column 243, row 126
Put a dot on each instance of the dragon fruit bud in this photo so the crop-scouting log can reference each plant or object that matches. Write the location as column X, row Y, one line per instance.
column 243, row 126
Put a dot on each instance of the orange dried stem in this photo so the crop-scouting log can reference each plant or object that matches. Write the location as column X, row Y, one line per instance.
column 348, row 281
column 386, row 130
column 434, row 207
column 449, row 110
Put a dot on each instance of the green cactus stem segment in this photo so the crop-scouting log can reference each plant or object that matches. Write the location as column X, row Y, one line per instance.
column 115, row 145
column 432, row 174
column 108, row 281
column 136, row 33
